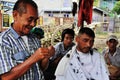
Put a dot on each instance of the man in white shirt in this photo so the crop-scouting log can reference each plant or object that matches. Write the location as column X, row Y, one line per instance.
column 82, row 62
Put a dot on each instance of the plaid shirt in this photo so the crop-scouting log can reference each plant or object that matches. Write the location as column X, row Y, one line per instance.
column 14, row 51
column 115, row 59
column 60, row 50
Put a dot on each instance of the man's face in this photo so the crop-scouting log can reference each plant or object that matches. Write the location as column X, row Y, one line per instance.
column 112, row 44
column 84, row 43
column 25, row 22
column 68, row 40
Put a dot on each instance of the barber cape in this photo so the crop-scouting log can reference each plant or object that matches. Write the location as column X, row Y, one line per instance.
column 70, row 68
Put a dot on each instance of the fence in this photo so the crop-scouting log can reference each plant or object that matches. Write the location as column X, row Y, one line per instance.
column 117, row 25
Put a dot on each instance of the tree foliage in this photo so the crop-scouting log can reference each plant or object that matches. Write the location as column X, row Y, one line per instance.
column 96, row 3
column 117, row 7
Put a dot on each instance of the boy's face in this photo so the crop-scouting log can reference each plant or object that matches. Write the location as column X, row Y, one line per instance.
column 68, row 40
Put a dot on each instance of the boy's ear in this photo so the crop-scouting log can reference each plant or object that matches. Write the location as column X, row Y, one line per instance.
column 107, row 42
column 117, row 42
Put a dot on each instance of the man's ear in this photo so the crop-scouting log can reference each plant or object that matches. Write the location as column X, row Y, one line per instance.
column 76, row 38
column 15, row 14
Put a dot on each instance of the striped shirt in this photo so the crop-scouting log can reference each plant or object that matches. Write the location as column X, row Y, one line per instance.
column 13, row 51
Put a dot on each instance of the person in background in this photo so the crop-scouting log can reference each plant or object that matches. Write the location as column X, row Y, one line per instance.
column 21, row 56
column 38, row 32
column 61, row 48
column 82, row 62
column 112, row 57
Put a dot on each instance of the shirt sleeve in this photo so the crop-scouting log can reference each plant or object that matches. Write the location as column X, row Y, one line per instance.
column 104, row 52
column 57, row 51
column 6, row 61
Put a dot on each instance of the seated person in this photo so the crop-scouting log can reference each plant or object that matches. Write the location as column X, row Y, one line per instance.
column 112, row 57
column 82, row 62
column 61, row 49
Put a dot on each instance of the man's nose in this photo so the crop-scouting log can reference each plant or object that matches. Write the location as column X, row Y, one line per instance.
column 88, row 44
column 70, row 40
column 33, row 23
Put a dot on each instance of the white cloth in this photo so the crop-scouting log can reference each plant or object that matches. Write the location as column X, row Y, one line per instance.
column 72, row 69
column 86, row 59
column 62, row 64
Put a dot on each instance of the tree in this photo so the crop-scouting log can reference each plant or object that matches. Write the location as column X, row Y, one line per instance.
column 117, row 8
column 96, row 3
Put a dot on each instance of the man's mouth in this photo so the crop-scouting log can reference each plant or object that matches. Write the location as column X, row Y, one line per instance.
column 29, row 27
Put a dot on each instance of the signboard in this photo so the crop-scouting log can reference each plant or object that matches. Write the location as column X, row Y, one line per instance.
column 5, row 20
column 41, row 20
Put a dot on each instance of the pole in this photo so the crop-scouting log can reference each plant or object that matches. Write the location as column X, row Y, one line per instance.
column 82, row 25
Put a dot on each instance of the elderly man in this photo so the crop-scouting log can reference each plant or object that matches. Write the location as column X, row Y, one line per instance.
column 21, row 57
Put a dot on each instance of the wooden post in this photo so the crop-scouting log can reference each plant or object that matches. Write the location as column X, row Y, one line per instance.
column 0, row 21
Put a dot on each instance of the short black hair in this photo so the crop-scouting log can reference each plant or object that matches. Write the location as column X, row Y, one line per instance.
column 87, row 31
column 20, row 5
column 67, row 31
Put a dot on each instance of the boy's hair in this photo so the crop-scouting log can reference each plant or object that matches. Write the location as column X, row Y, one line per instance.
column 20, row 5
column 67, row 31
column 87, row 31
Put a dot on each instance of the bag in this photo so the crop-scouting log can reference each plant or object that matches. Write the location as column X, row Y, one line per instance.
column 112, row 69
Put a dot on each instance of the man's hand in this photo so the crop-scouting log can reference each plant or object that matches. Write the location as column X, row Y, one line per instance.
column 41, row 53
column 45, row 60
column 51, row 51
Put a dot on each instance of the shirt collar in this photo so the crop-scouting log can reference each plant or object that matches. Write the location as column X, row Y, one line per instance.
column 116, row 52
column 62, row 46
column 14, row 32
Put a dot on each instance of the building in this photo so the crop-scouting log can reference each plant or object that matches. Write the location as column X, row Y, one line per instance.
column 58, row 12
column 5, row 14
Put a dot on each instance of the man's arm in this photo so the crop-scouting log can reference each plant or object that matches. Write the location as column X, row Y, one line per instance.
column 20, row 69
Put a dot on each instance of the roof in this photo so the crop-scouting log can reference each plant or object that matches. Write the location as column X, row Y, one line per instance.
column 65, row 9
column 101, row 10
